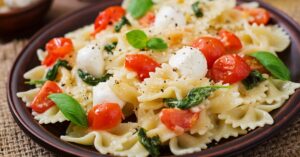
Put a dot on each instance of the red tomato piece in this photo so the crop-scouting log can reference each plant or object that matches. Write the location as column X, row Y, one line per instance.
column 178, row 120
column 148, row 19
column 57, row 48
column 231, row 42
column 141, row 64
column 259, row 16
column 105, row 116
column 254, row 64
column 212, row 48
column 230, row 68
column 107, row 17
column 41, row 102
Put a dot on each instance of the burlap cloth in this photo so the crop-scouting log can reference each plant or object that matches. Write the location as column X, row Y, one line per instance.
column 14, row 142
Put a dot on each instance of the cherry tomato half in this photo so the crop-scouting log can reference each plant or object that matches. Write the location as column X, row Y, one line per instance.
column 57, row 48
column 231, row 42
column 258, row 15
column 141, row 64
column 41, row 102
column 212, row 48
column 107, row 17
column 254, row 64
column 105, row 116
column 230, row 68
column 148, row 19
column 178, row 120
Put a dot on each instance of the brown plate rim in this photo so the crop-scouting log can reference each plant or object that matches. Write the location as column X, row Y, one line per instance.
column 51, row 142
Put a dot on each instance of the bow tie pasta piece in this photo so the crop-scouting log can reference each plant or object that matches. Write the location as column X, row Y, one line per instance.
column 51, row 116
column 256, row 94
column 28, row 96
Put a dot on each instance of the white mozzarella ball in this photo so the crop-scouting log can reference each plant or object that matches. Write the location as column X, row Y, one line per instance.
column 91, row 60
column 102, row 93
column 169, row 17
column 17, row 3
column 190, row 62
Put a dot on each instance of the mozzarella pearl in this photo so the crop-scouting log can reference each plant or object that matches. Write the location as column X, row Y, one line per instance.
column 190, row 62
column 91, row 60
column 102, row 93
column 169, row 17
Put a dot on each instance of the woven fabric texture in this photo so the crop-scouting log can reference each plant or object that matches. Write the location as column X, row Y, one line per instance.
column 14, row 142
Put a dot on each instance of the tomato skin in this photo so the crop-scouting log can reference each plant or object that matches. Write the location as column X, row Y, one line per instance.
column 148, row 19
column 212, row 48
column 141, row 64
column 105, row 116
column 41, row 102
column 57, row 48
column 107, row 17
column 231, row 42
column 258, row 15
column 230, row 68
column 254, row 64
column 178, row 120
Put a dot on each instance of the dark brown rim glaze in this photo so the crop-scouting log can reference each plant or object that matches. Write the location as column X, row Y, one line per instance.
column 49, row 138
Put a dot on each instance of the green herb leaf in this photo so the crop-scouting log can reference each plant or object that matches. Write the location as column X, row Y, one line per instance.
column 124, row 21
column 254, row 78
column 90, row 79
column 197, row 10
column 273, row 64
column 35, row 82
column 71, row 109
column 157, row 44
column 138, row 8
column 137, row 38
column 110, row 47
column 151, row 144
column 194, row 97
column 52, row 73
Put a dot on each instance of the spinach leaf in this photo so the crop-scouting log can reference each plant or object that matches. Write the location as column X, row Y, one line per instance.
column 35, row 82
column 124, row 21
column 198, row 11
column 151, row 144
column 137, row 38
column 156, row 44
column 194, row 97
column 71, row 109
column 254, row 78
column 273, row 64
column 110, row 47
column 138, row 8
column 52, row 73
column 90, row 79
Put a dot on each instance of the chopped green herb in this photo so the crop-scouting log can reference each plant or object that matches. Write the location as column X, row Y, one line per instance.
column 194, row 97
column 197, row 10
column 254, row 78
column 35, row 82
column 71, row 109
column 137, row 38
column 124, row 21
column 110, row 47
column 151, row 144
column 273, row 64
column 156, row 44
column 138, row 8
column 52, row 73
column 91, row 80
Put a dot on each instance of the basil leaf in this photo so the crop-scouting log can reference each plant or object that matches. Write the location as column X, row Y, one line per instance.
column 71, row 109
column 198, row 11
column 157, row 44
column 90, row 79
column 124, row 21
column 194, row 97
column 138, row 8
column 273, row 64
column 110, row 47
column 151, row 144
column 35, row 82
column 52, row 73
column 254, row 78
column 137, row 38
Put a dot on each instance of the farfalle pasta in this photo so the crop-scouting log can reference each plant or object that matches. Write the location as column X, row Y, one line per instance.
column 162, row 73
